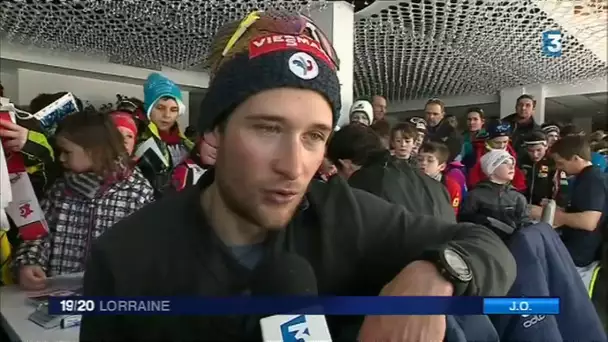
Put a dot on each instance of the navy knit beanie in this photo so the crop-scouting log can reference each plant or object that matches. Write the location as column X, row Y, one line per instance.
column 271, row 61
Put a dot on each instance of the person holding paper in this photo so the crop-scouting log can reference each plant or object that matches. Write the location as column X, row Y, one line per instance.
column 271, row 107
column 35, row 148
column 23, row 138
column 162, row 145
column 97, row 189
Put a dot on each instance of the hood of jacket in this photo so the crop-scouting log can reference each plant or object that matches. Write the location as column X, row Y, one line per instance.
column 489, row 185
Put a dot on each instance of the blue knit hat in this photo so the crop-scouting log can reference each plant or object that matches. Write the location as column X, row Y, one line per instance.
column 497, row 129
column 158, row 86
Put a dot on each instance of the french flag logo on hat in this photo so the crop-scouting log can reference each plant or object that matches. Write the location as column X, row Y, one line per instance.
column 303, row 65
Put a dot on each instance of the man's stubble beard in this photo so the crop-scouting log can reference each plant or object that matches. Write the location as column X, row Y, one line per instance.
column 247, row 211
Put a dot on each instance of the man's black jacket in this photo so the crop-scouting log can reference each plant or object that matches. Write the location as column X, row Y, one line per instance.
column 355, row 242
column 448, row 135
column 399, row 183
column 519, row 131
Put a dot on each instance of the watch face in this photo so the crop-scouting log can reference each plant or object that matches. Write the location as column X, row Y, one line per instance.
column 457, row 264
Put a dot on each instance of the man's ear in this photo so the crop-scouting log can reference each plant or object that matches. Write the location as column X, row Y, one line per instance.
column 442, row 167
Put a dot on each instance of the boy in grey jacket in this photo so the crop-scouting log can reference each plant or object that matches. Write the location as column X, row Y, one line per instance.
column 494, row 202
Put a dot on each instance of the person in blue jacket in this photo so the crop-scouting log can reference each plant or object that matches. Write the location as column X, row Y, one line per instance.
column 582, row 221
column 545, row 269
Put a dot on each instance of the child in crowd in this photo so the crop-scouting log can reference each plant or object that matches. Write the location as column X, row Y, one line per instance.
column 543, row 179
column 383, row 129
column 162, row 106
column 494, row 202
column 497, row 138
column 127, row 127
column 98, row 188
column 402, row 139
column 135, row 107
column 362, row 112
column 596, row 159
column 552, row 132
column 601, row 148
column 201, row 159
column 420, row 124
column 432, row 160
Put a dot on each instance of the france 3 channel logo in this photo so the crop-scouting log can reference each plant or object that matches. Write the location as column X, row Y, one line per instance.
column 295, row 330
column 552, row 44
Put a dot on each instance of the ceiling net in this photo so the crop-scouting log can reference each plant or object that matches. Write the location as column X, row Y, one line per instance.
column 147, row 34
column 403, row 49
column 423, row 48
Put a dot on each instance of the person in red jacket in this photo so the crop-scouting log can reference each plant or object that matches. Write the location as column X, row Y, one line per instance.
column 432, row 160
column 498, row 139
column 201, row 159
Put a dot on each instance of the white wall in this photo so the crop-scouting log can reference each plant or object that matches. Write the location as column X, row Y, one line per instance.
column 196, row 99
column 8, row 78
column 450, row 101
column 94, row 64
column 27, row 71
column 337, row 22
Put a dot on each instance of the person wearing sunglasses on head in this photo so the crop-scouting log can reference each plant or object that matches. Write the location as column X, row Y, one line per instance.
column 421, row 128
column 272, row 104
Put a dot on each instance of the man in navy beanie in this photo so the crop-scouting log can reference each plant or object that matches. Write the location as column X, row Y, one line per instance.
column 271, row 107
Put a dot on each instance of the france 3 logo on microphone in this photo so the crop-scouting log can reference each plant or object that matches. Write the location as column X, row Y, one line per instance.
column 295, row 330
column 552, row 44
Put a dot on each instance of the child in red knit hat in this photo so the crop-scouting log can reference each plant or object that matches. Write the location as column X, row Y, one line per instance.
column 127, row 127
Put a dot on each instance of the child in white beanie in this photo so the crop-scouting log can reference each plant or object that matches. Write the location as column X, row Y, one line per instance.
column 494, row 202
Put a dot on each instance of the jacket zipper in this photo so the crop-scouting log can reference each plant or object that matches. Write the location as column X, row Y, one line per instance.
column 89, row 232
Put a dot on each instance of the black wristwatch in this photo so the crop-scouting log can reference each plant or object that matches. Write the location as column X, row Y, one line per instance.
column 452, row 267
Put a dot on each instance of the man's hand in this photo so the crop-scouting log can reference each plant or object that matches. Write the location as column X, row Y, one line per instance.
column 13, row 136
column 536, row 212
column 420, row 278
column 32, row 277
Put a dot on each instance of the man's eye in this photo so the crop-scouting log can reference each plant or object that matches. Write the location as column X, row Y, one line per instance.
column 315, row 136
column 267, row 128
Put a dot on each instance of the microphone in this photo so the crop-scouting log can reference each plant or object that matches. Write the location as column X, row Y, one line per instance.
column 288, row 275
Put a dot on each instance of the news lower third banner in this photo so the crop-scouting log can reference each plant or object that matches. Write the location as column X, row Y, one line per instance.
column 309, row 305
